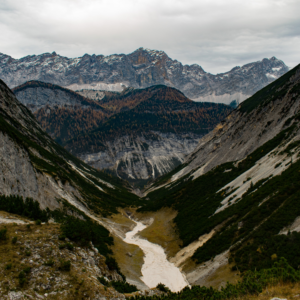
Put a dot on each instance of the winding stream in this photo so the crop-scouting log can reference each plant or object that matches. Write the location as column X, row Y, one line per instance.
column 156, row 268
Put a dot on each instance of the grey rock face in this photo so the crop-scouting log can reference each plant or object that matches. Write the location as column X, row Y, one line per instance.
column 23, row 146
column 18, row 177
column 241, row 133
column 143, row 158
column 140, row 69
column 36, row 95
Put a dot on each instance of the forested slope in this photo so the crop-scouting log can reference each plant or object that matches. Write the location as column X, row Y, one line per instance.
column 251, row 204
column 157, row 108
column 117, row 131
column 151, row 134
column 62, row 113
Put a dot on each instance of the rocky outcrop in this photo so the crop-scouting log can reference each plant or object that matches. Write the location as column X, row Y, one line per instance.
column 18, row 176
column 144, row 156
column 140, row 69
column 92, row 94
column 39, row 250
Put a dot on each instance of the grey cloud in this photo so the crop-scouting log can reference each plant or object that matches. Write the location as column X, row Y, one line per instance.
column 216, row 34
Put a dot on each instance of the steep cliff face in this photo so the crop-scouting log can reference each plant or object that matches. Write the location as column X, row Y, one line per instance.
column 33, row 165
column 143, row 156
column 140, row 69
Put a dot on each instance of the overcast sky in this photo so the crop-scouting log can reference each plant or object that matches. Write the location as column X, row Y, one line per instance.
column 216, row 34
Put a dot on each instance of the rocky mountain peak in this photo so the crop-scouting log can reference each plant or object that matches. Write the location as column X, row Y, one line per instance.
column 147, row 56
column 140, row 69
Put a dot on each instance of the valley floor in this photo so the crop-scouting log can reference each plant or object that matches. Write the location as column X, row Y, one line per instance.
column 34, row 260
column 156, row 268
column 158, row 229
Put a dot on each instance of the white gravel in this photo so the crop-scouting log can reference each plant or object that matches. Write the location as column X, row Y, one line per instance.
column 4, row 220
column 156, row 268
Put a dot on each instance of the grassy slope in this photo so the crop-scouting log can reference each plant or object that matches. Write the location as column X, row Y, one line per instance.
column 37, row 245
column 162, row 230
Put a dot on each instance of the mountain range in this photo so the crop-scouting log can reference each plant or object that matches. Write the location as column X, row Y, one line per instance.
column 138, row 134
column 140, row 69
column 230, row 211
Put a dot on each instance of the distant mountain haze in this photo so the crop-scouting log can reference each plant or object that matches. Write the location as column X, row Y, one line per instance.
column 141, row 69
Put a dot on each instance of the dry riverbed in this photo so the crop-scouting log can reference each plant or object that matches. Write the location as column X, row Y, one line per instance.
column 159, row 229
column 156, row 268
